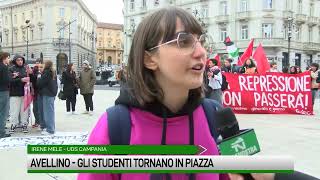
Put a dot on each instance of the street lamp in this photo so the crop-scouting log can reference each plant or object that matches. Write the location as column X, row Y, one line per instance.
column 28, row 25
column 289, row 25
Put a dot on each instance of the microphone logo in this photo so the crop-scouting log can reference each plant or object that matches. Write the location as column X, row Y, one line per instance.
column 239, row 145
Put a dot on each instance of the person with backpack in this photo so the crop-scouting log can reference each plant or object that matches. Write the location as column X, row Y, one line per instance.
column 163, row 96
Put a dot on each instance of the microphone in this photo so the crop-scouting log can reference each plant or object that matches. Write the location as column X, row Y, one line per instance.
column 235, row 141
column 244, row 142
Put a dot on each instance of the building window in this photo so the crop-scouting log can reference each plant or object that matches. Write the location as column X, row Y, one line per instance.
column 132, row 5
column 243, row 6
column 223, row 8
column 16, row 36
column 100, row 44
column 40, row 34
column 6, row 20
column 40, row 12
column 300, row 7
column 7, row 38
column 310, row 34
column 223, row 33
column 267, row 4
column 311, row 9
column 144, row 4
column 205, row 11
column 31, row 14
column 31, row 34
column 23, row 17
column 15, row 19
column 156, row 2
column 298, row 33
column 61, row 35
column 267, row 30
column 61, row 12
column 244, row 32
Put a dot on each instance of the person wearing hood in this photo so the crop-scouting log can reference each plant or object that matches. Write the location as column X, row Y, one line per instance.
column 163, row 91
column 87, row 80
column 19, row 78
column 4, row 92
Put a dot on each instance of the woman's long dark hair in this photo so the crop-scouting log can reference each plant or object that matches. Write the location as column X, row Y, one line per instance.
column 252, row 64
column 295, row 70
column 49, row 65
column 69, row 67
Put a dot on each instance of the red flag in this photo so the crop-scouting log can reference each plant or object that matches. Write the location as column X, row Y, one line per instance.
column 247, row 53
column 261, row 60
column 217, row 57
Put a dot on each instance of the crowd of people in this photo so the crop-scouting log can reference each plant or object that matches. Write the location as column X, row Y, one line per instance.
column 215, row 82
column 20, row 85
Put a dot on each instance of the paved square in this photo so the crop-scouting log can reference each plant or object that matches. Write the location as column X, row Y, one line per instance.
column 293, row 135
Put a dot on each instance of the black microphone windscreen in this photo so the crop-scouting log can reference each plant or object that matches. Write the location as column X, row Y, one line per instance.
column 227, row 123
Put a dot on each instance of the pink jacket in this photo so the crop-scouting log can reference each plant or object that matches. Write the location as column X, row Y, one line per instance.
column 147, row 129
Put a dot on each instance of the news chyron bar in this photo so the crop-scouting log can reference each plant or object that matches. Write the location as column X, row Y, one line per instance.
column 142, row 159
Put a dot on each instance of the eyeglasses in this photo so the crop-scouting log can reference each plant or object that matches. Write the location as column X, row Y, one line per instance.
column 186, row 42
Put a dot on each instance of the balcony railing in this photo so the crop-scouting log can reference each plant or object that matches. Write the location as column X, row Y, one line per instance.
column 311, row 46
column 60, row 42
column 222, row 18
column 243, row 16
column 271, row 42
column 287, row 14
column 312, row 21
column 301, row 18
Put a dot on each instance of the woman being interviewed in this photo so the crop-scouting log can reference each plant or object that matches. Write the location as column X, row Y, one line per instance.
column 164, row 90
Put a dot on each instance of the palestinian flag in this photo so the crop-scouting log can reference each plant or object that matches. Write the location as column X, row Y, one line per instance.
column 232, row 50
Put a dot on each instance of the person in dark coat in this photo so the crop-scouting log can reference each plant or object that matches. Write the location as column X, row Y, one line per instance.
column 70, row 87
column 48, row 88
column 33, row 79
column 18, row 115
column 4, row 92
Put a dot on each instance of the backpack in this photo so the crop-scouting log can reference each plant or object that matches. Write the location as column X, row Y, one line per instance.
column 119, row 122
column 224, row 84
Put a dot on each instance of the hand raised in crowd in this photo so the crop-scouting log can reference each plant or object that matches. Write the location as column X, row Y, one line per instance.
column 25, row 79
column 210, row 74
column 269, row 176
column 15, row 74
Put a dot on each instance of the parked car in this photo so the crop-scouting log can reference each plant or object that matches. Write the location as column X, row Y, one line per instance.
column 112, row 81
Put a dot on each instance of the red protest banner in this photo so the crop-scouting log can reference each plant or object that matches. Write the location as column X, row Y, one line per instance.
column 270, row 93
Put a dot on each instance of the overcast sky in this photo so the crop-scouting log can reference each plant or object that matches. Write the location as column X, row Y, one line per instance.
column 109, row 11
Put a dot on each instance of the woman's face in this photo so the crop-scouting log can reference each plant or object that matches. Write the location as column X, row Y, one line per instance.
column 6, row 60
column 292, row 69
column 176, row 68
column 210, row 64
column 248, row 62
column 41, row 67
column 313, row 68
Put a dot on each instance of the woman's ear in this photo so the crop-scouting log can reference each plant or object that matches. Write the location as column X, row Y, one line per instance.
column 150, row 61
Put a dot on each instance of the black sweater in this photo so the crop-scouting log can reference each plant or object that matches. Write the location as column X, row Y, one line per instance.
column 47, row 86
column 16, row 85
column 4, row 77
